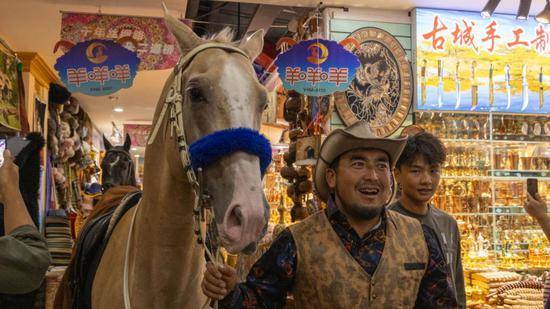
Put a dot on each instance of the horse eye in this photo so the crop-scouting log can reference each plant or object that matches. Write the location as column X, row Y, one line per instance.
column 266, row 106
column 195, row 94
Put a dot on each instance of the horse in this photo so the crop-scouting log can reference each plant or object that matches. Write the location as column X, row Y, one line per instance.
column 117, row 166
column 118, row 180
column 154, row 257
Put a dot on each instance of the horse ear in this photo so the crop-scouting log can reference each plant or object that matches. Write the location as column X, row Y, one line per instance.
column 106, row 143
column 253, row 44
column 127, row 142
column 187, row 39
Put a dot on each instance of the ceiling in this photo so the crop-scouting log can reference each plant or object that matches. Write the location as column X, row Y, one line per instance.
column 505, row 6
column 34, row 25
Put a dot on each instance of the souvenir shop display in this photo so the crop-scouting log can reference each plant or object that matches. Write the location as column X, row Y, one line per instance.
column 490, row 111
column 58, row 237
column 483, row 185
column 73, row 158
column 298, row 178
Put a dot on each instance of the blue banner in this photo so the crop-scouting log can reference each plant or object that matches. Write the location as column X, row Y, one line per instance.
column 97, row 67
column 317, row 67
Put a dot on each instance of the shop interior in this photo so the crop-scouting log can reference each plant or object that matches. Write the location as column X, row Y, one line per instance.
column 458, row 92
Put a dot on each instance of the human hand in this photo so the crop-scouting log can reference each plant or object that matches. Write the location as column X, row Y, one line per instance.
column 218, row 280
column 536, row 207
column 9, row 176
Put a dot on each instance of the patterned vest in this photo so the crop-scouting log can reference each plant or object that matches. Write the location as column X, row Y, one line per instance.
column 329, row 277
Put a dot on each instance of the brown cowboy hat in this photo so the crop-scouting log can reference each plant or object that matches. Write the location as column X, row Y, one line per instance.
column 340, row 141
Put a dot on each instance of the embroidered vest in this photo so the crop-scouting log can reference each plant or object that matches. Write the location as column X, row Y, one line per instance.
column 329, row 277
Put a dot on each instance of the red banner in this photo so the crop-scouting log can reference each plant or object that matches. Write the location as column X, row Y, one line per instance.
column 139, row 133
column 147, row 36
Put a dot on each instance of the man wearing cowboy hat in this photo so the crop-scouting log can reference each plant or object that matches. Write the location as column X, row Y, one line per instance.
column 354, row 254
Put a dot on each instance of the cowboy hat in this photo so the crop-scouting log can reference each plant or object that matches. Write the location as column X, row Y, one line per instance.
column 340, row 141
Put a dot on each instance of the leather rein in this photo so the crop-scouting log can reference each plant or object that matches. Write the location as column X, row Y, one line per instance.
column 173, row 105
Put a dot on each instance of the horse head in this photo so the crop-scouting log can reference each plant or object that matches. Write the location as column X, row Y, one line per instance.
column 220, row 91
column 117, row 166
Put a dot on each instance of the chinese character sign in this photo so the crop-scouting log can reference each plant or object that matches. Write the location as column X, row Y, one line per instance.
column 147, row 36
column 317, row 67
column 97, row 67
column 468, row 63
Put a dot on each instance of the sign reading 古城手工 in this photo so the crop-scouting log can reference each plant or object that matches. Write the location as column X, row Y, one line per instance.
column 467, row 63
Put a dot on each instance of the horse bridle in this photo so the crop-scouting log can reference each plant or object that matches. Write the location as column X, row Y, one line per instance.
column 173, row 104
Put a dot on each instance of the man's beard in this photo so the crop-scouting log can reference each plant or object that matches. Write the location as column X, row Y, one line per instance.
column 360, row 211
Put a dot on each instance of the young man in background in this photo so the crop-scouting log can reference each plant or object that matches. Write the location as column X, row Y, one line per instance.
column 418, row 173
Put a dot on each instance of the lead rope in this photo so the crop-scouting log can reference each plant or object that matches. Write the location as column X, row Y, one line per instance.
column 201, row 205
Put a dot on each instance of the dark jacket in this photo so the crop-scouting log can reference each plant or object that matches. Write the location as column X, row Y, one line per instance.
column 448, row 236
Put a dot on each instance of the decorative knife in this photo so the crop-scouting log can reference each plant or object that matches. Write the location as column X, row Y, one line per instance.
column 440, row 83
column 524, row 88
column 541, row 89
column 491, row 86
column 474, row 85
column 508, row 86
column 423, row 82
column 457, row 82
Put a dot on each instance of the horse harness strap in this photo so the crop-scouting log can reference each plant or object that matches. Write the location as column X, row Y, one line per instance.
column 173, row 104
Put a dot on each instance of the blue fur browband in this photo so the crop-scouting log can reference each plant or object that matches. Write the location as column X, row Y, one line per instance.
column 212, row 147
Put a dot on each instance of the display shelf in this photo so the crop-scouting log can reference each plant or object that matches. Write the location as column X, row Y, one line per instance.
column 489, row 158
column 508, row 210
column 471, row 214
column 482, row 178
column 515, row 174
column 496, row 141
column 521, row 139
column 499, row 212
column 519, row 142
column 458, row 140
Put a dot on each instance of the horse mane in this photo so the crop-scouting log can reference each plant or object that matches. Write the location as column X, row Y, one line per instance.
column 226, row 35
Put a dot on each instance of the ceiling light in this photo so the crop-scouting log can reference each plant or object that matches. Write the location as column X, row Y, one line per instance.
column 118, row 109
column 136, row 156
column 544, row 15
column 489, row 8
column 134, row 149
column 523, row 9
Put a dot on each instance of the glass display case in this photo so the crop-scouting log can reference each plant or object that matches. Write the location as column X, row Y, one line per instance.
column 489, row 158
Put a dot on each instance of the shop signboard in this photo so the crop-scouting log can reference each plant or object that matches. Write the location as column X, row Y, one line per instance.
column 317, row 67
column 147, row 36
column 97, row 67
column 467, row 63
column 139, row 133
column 9, row 92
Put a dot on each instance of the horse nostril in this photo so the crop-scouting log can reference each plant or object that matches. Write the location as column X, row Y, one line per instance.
column 234, row 221
column 235, row 217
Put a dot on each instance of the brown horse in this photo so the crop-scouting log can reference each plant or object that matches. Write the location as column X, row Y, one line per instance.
column 165, row 263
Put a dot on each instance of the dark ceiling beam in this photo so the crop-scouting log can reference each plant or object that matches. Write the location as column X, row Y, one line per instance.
column 264, row 17
column 192, row 10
